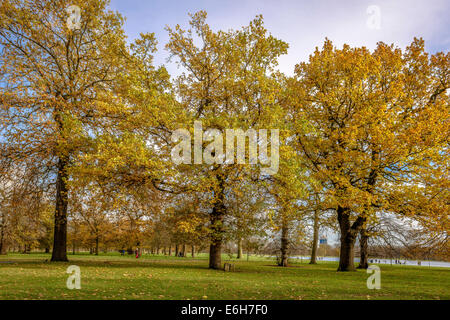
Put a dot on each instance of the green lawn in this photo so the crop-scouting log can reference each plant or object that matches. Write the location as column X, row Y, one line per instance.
column 116, row 277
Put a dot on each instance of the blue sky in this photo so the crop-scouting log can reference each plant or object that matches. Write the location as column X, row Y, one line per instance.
column 303, row 24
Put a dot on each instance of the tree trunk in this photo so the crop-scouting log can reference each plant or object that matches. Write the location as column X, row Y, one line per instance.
column 59, row 252
column 96, row 245
column 363, row 242
column 170, row 250
column 215, row 259
column 184, row 250
column 216, row 218
column 215, row 248
column 346, row 257
column 239, row 247
column 315, row 238
column 348, row 237
column 177, row 252
column 3, row 247
column 193, row 251
column 284, row 244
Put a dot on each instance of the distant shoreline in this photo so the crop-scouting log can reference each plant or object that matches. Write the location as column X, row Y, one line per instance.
column 423, row 263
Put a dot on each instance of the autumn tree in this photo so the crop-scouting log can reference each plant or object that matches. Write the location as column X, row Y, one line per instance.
column 54, row 70
column 92, row 206
column 376, row 119
column 187, row 223
column 226, row 84
column 247, row 208
column 285, row 191
column 24, row 208
column 318, row 213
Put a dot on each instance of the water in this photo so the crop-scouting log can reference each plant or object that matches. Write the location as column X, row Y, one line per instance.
column 387, row 261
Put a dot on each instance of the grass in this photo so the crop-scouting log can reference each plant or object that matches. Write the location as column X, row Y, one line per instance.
column 161, row 277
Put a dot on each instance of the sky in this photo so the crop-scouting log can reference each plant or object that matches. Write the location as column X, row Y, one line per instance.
column 303, row 24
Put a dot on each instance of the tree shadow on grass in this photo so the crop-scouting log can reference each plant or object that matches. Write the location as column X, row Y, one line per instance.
column 97, row 263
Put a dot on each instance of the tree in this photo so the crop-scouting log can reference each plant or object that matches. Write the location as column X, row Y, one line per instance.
column 402, row 237
column 375, row 119
column 186, row 222
column 227, row 83
column 53, row 77
column 91, row 205
column 316, row 226
column 286, row 190
column 24, row 208
column 313, row 208
column 247, row 208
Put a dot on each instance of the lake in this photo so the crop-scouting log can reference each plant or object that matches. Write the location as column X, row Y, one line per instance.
column 423, row 263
